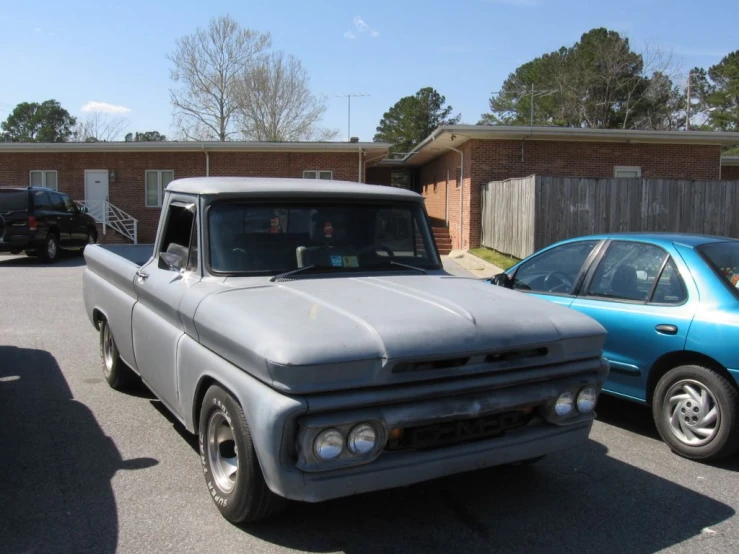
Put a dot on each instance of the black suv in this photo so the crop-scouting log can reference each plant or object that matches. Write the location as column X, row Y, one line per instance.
column 40, row 221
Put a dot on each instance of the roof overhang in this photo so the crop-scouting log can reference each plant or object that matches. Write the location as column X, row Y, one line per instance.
column 446, row 137
column 369, row 149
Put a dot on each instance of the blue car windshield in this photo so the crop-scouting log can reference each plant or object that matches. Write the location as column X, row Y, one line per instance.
column 723, row 257
column 269, row 238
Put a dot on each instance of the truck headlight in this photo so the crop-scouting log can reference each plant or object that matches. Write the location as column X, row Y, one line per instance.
column 563, row 406
column 329, row 445
column 362, row 439
column 586, row 400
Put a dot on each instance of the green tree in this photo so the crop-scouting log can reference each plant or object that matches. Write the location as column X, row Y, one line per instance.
column 598, row 82
column 34, row 122
column 717, row 94
column 413, row 118
column 148, row 136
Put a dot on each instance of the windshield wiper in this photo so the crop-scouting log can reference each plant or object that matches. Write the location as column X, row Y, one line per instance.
column 407, row 266
column 292, row 272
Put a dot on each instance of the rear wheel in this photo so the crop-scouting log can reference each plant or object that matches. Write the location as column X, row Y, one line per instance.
column 50, row 249
column 118, row 375
column 230, row 465
column 695, row 410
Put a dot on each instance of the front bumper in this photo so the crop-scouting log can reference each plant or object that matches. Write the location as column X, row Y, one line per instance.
column 293, row 475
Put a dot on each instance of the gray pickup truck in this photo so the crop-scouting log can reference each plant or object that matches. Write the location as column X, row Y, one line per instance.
column 307, row 332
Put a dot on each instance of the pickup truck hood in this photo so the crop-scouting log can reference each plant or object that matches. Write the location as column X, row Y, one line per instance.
column 365, row 323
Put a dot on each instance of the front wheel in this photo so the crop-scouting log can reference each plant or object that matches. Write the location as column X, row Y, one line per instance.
column 695, row 411
column 91, row 238
column 230, row 465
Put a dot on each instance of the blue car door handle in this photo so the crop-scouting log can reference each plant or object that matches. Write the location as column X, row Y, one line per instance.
column 666, row 329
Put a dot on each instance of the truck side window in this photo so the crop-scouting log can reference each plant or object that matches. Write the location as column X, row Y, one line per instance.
column 178, row 232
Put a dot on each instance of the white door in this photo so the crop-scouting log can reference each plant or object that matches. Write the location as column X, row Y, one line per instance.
column 96, row 191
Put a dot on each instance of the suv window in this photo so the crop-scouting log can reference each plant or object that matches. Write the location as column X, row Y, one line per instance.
column 41, row 200
column 555, row 270
column 13, row 201
column 57, row 202
column 628, row 271
column 70, row 205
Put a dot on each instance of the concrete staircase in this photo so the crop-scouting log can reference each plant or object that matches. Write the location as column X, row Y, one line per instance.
column 443, row 240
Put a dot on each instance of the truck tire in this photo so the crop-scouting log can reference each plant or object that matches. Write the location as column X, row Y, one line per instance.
column 50, row 250
column 232, row 472
column 115, row 371
column 695, row 410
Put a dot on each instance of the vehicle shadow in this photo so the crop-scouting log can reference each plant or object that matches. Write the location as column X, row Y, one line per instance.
column 57, row 463
column 66, row 259
column 581, row 500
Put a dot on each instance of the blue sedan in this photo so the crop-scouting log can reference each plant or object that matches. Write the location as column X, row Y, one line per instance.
column 670, row 304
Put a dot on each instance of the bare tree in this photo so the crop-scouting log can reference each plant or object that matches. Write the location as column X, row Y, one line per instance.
column 276, row 103
column 99, row 127
column 208, row 65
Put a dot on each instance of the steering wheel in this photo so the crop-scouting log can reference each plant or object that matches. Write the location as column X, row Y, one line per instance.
column 376, row 247
column 562, row 281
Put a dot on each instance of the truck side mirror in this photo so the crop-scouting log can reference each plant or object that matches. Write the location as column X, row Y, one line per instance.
column 502, row 280
column 170, row 262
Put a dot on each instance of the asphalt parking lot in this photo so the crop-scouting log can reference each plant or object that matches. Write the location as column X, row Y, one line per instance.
column 87, row 469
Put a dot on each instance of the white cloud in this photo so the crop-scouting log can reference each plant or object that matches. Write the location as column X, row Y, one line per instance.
column 361, row 28
column 37, row 29
column 104, row 107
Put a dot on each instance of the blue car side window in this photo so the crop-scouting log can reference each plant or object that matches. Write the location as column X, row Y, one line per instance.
column 640, row 272
column 554, row 271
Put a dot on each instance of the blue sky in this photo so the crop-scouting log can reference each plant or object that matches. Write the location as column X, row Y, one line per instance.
column 82, row 51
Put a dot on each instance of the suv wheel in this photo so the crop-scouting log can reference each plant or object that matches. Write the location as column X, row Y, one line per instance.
column 92, row 238
column 50, row 249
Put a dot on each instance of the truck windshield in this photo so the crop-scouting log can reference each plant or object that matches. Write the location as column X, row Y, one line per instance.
column 13, row 201
column 273, row 238
column 723, row 257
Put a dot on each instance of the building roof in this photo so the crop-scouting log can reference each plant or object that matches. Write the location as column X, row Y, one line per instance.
column 371, row 149
column 452, row 136
column 273, row 187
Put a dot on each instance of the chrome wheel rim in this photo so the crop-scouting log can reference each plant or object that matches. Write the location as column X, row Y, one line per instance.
column 223, row 453
column 107, row 350
column 51, row 248
column 692, row 412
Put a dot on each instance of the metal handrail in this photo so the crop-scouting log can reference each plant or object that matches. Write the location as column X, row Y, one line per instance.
column 109, row 215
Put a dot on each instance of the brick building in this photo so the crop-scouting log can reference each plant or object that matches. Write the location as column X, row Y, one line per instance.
column 131, row 175
column 448, row 167
column 453, row 162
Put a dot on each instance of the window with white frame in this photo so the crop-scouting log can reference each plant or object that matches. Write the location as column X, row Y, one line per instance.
column 318, row 174
column 156, row 181
column 627, row 171
column 44, row 178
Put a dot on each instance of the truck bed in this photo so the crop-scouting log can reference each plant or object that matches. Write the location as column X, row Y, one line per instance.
column 136, row 253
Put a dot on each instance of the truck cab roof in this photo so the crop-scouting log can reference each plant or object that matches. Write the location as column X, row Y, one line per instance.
column 257, row 186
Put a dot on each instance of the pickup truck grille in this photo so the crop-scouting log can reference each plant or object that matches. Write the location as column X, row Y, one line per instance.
column 459, row 431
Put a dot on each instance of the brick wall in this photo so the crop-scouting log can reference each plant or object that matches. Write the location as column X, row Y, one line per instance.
column 730, row 173
column 127, row 191
column 489, row 160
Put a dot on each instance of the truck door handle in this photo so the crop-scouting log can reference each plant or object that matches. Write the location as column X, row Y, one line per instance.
column 666, row 329
column 141, row 276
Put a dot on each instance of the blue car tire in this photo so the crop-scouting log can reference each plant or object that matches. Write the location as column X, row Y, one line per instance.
column 695, row 410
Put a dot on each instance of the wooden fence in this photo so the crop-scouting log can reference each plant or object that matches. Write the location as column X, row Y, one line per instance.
column 520, row 216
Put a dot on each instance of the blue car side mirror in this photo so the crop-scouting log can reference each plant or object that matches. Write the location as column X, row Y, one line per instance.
column 502, row 280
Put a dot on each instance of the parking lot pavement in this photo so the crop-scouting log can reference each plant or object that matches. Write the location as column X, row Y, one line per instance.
column 87, row 469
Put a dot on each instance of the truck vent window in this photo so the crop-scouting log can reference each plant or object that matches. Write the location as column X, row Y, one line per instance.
column 430, row 365
column 512, row 355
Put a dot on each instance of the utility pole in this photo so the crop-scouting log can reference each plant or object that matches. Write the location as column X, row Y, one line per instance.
column 349, row 111
column 687, row 110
